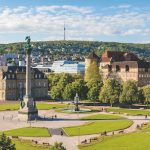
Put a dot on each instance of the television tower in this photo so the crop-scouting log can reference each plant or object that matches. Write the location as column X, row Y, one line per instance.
column 64, row 31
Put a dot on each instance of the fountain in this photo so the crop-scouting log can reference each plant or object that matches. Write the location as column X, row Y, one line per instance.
column 75, row 108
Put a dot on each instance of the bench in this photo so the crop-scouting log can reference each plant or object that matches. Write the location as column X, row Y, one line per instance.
column 121, row 131
column 15, row 137
column 47, row 144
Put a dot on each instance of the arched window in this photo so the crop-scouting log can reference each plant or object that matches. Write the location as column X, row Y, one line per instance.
column 117, row 68
column 109, row 68
column 127, row 68
column 146, row 69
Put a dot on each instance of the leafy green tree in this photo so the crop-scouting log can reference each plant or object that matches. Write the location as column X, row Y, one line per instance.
column 56, row 92
column 79, row 86
column 141, row 96
column 130, row 92
column 5, row 143
column 110, row 92
column 92, row 72
column 146, row 92
column 68, row 92
column 94, row 87
column 58, row 146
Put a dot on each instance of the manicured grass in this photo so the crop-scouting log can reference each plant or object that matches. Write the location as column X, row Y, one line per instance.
column 27, row 145
column 133, row 112
column 98, row 127
column 9, row 106
column 132, row 141
column 146, row 127
column 40, row 106
column 102, row 117
column 47, row 106
column 29, row 132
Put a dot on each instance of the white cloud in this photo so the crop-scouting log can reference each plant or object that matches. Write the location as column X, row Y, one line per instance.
column 81, row 22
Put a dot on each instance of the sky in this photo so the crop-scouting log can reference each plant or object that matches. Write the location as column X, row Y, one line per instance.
column 92, row 20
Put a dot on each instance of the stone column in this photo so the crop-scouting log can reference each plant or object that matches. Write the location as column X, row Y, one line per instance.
column 28, row 76
column 28, row 110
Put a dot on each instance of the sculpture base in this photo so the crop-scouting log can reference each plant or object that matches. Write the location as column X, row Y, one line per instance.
column 28, row 110
column 26, row 115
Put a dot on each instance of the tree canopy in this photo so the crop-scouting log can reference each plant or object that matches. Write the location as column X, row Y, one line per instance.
column 130, row 92
column 110, row 92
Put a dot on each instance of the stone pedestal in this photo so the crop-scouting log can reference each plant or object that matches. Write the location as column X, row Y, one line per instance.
column 28, row 110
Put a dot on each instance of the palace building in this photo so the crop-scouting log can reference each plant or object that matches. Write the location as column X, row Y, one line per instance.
column 124, row 66
column 13, row 78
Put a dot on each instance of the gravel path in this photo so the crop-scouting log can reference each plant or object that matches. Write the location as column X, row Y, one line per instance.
column 9, row 122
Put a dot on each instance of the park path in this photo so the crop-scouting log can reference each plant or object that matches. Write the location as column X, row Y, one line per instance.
column 71, row 143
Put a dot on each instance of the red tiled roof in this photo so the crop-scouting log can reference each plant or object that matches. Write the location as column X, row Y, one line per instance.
column 118, row 56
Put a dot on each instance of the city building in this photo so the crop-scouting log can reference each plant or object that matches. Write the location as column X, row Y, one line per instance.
column 65, row 66
column 12, row 87
column 122, row 66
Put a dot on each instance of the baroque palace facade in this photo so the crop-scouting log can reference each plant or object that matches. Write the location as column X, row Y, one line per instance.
column 12, row 87
column 122, row 66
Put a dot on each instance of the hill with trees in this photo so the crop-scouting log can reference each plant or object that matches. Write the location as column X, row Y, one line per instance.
column 77, row 49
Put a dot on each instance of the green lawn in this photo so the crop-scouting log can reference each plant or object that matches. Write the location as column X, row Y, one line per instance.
column 46, row 106
column 40, row 106
column 9, row 106
column 29, row 132
column 98, row 127
column 27, row 145
column 133, row 112
column 102, row 117
column 132, row 141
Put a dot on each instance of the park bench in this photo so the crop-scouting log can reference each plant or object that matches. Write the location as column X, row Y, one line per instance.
column 84, row 142
column 121, row 131
column 104, row 133
column 34, row 142
column 15, row 137
column 45, row 143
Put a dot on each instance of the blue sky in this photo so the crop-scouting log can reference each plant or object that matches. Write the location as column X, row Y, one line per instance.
column 95, row 20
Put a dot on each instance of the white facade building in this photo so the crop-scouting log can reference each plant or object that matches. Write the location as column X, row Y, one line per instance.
column 66, row 66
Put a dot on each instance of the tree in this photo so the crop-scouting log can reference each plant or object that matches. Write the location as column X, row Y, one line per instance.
column 68, row 92
column 79, row 87
column 92, row 72
column 146, row 92
column 94, row 87
column 110, row 92
column 58, row 146
column 5, row 143
column 56, row 92
column 130, row 92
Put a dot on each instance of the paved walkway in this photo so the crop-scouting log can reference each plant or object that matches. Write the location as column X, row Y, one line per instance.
column 9, row 122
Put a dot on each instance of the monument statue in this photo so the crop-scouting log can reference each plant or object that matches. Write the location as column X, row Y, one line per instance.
column 76, row 101
column 28, row 110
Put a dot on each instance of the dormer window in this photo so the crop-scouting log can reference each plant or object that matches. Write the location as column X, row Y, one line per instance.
column 127, row 68
column 146, row 69
column 13, row 76
column 8, row 76
column 117, row 68
column 35, row 76
column 109, row 68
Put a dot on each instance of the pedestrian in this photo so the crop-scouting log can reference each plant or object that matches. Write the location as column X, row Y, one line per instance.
column 55, row 116
column 61, row 133
column 145, row 116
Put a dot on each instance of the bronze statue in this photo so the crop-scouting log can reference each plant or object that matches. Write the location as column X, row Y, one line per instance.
column 28, row 45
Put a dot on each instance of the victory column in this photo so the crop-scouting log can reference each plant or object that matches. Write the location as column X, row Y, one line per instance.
column 28, row 110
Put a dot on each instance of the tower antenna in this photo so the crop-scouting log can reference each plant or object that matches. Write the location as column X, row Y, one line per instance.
column 64, row 31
